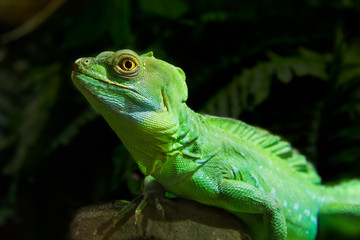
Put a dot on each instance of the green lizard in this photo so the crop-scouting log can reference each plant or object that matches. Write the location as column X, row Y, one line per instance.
column 215, row 161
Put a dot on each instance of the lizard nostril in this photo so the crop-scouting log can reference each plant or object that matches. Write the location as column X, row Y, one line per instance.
column 76, row 65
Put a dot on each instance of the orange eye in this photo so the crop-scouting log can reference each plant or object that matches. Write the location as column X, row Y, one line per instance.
column 127, row 65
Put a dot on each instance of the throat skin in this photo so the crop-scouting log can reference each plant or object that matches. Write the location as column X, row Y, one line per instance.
column 153, row 145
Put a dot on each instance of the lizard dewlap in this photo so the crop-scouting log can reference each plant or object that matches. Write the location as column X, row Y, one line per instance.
column 216, row 161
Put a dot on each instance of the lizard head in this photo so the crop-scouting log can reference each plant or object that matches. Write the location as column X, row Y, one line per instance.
column 130, row 85
column 136, row 94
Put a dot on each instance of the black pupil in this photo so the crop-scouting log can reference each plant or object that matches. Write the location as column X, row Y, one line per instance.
column 128, row 64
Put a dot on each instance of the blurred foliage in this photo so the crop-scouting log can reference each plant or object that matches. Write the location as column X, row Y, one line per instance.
column 292, row 67
column 252, row 87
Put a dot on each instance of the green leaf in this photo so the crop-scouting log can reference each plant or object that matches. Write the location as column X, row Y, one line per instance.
column 98, row 19
column 348, row 131
column 252, row 86
column 348, row 155
column 172, row 9
column 118, row 19
column 78, row 35
column 308, row 63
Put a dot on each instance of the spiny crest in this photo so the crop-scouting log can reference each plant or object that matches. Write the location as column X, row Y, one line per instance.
column 269, row 142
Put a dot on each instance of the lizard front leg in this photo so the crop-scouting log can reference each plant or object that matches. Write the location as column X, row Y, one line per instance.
column 151, row 193
column 242, row 199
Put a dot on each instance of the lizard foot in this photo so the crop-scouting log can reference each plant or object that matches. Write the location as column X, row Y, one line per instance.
column 152, row 193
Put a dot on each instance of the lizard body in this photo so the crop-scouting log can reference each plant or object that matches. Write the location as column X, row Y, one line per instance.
column 216, row 161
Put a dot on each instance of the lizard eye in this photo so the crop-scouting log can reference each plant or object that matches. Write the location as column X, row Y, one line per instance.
column 127, row 65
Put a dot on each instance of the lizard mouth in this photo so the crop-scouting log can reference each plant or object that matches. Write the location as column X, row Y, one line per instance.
column 76, row 75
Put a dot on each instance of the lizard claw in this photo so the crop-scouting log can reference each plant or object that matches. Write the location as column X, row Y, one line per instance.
column 140, row 208
column 160, row 208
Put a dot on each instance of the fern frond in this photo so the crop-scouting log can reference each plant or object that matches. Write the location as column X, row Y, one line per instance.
column 252, row 86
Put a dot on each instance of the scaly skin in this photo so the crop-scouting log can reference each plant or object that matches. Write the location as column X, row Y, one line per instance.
column 215, row 161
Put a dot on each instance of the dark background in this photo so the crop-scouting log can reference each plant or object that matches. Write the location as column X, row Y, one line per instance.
column 292, row 67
